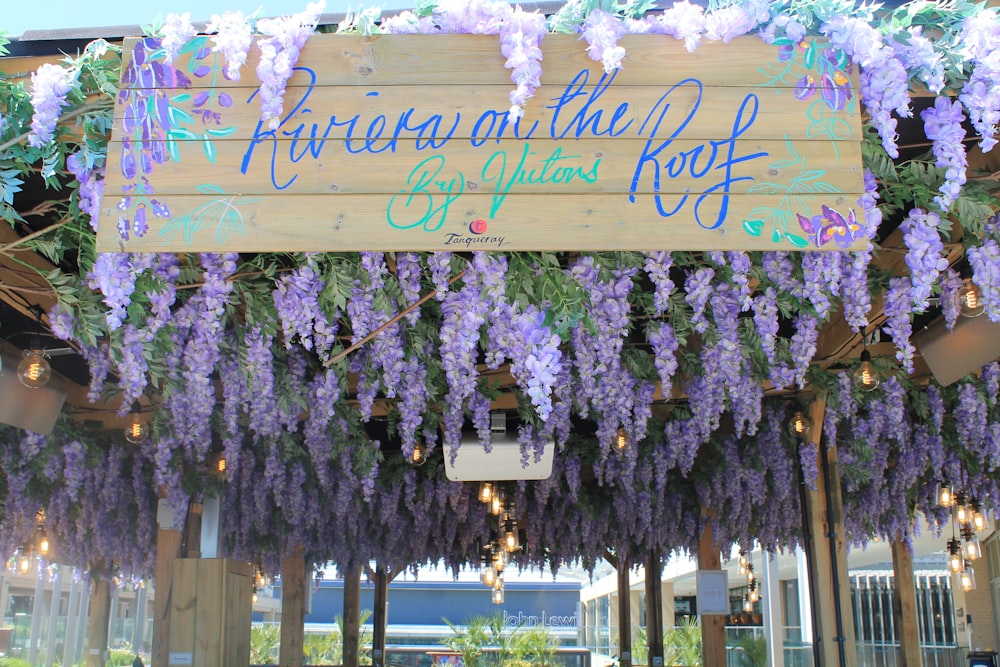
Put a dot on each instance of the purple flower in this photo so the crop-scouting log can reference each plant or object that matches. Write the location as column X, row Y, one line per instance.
column 50, row 84
column 943, row 126
column 925, row 255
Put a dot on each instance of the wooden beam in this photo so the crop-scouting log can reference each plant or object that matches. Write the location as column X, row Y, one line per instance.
column 168, row 547
column 100, row 609
column 713, row 626
column 834, row 633
column 293, row 609
column 624, row 613
column 654, row 609
column 352, row 615
column 904, row 606
column 379, row 615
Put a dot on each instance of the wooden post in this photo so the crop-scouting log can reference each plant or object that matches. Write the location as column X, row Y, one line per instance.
column 36, row 615
column 352, row 615
column 100, row 608
column 834, row 631
column 904, row 606
column 624, row 613
column 168, row 547
column 713, row 626
column 654, row 609
column 293, row 609
column 379, row 615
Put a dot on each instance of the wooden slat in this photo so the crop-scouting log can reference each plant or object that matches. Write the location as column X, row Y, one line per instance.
column 582, row 166
column 478, row 110
column 447, row 59
column 522, row 222
column 183, row 612
column 209, row 639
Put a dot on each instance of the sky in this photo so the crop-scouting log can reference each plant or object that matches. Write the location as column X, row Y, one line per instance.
column 18, row 16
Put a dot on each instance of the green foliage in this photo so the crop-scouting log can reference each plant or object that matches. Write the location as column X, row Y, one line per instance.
column 751, row 649
column 120, row 658
column 682, row 644
column 264, row 643
column 14, row 662
column 512, row 646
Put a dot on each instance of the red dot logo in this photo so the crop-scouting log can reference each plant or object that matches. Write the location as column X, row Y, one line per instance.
column 478, row 226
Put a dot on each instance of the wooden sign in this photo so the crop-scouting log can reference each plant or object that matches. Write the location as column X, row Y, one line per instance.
column 403, row 142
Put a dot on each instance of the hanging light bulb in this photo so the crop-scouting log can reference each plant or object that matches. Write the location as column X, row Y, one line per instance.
column 978, row 518
column 419, row 455
column 750, row 574
column 968, row 578
column 747, row 605
column 497, row 596
column 970, row 299
column 489, row 575
column 136, row 431
column 621, row 441
column 973, row 550
column 799, row 425
column 865, row 377
column 42, row 540
column 499, row 560
column 945, row 497
column 498, row 583
column 485, row 492
column 743, row 565
column 753, row 593
column 496, row 502
column 24, row 561
column 962, row 514
column 955, row 560
column 254, row 598
column 34, row 370
column 510, row 538
column 221, row 464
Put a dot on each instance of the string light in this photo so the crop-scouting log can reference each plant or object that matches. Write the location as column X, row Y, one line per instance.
column 799, row 426
column 955, row 560
column 34, row 370
column 621, row 441
column 970, row 299
column 136, row 432
column 865, row 377
column 419, row 455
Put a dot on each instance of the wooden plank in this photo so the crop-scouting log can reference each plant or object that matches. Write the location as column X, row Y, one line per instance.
column 352, row 614
column 293, row 599
column 183, row 612
column 237, row 612
column 208, row 636
column 426, row 221
column 905, row 605
column 654, row 608
column 168, row 544
column 444, row 59
column 571, row 166
column 100, row 609
column 713, row 626
column 480, row 111
column 624, row 612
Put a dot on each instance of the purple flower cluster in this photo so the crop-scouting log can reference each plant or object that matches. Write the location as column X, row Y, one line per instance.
column 91, row 180
column 657, row 266
column 176, row 32
column 985, row 262
column 50, row 84
column 233, row 37
column 279, row 51
column 898, row 323
column 981, row 92
column 296, row 299
column 698, row 288
column 925, row 255
column 951, row 282
column 113, row 274
column 664, row 343
column 601, row 31
column 884, row 80
column 943, row 126
column 521, row 37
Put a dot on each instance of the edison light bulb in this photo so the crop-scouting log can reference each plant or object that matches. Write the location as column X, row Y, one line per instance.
column 43, row 543
column 498, row 596
column 865, row 378
column 945, row 497
column 489, row 575
column 747, row 605
column 973, row 550
column 799, row 425
column 419, row 455
column 620, row 441
column 485, row 492
column 25, row 563
column 136, row 431
column 970, row 299
column 34, row 370
column 968, row 579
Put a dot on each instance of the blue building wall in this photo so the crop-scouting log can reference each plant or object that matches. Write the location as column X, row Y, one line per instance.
column 428, row 603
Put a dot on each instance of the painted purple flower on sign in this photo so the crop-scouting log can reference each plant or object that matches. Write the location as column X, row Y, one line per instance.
column 830, row 226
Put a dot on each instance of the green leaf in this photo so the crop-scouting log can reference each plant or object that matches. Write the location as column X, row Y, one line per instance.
column 796, row 240
column 753, row 227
